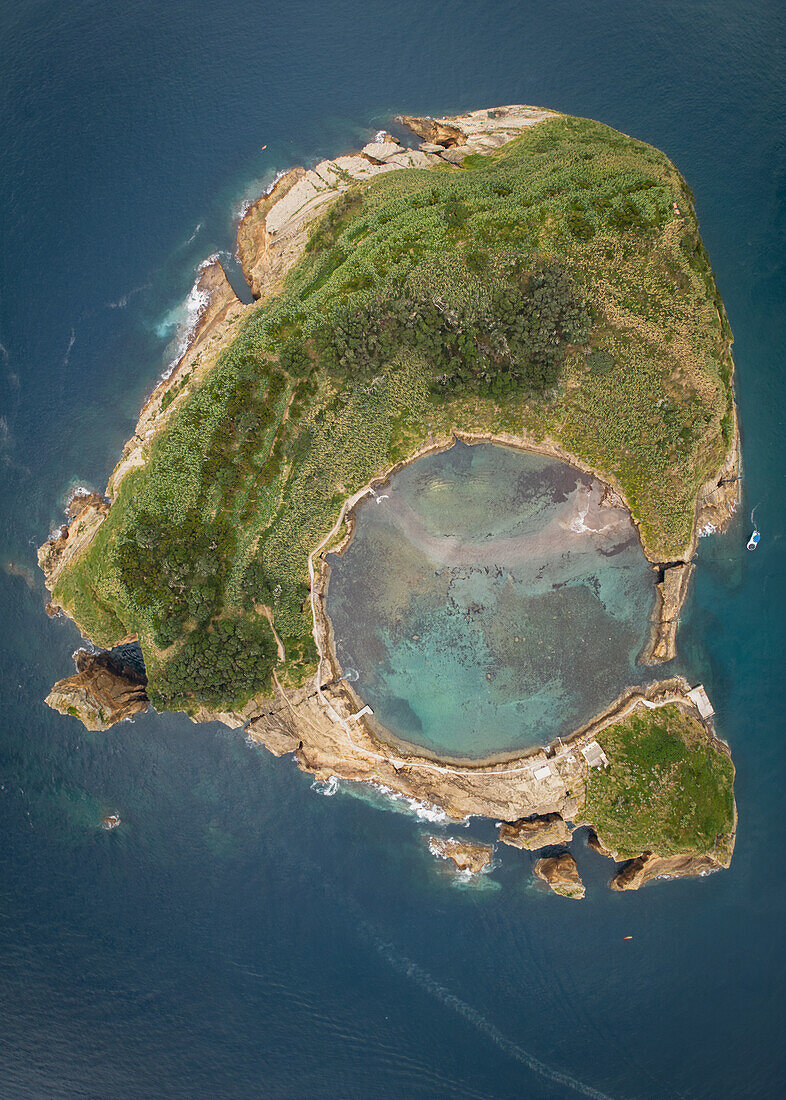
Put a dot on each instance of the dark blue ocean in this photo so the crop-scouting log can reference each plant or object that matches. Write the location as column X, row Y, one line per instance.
column 240, row 934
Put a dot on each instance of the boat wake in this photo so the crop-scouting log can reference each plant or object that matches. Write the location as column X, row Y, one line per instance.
column 426, row 982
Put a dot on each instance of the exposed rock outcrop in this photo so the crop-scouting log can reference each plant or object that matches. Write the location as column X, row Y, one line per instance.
column 532, row 833
column 670, row 592
column 561, row 874
column 103, row 691
column 87, row 513
column 719, row 496
column 216, row 328
column 274, row 231
column 646, row 867
column 468, row 855
column 476, row 131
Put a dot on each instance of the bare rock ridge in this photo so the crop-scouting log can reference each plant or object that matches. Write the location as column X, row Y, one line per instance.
column 670, row 592
column 645, row 868
column 453, row 139
column 561, row 875
column 103, row 691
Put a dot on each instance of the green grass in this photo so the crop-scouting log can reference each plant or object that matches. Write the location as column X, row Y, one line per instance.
column 666, row 790
column 547, row 288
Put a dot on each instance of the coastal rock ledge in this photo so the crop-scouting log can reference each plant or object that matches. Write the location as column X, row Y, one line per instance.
column 647, row 867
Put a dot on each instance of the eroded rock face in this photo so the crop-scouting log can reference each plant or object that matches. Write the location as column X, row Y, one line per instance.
column 646, row 867
column 468, row 855
column 102, row 692
column 532, row 833
column 561, row 874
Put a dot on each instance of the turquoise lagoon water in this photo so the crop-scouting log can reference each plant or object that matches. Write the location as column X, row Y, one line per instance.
column 239, row 935
column 489, row 601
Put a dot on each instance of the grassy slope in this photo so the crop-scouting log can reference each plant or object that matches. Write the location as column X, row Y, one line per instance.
column 263, row 456
column 667, row 789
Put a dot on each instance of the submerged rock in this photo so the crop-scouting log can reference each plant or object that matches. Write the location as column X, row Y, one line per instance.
column 468, row 855
column 561, row 874
column 538, row 831
column 103, row 691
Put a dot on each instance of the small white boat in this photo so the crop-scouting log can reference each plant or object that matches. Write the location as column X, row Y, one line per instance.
column 753, row 541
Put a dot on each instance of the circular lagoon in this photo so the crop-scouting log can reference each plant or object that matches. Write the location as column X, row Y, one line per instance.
column 489, row 600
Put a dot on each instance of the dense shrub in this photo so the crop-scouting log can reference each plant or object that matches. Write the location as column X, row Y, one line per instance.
column 230, row 659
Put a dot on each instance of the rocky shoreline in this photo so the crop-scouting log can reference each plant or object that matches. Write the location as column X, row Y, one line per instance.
column 322, row 722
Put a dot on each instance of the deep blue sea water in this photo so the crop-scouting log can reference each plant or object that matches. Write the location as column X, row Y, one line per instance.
column 239, row 934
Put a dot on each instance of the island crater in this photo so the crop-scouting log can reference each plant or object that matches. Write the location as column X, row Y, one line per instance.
column 522, row 278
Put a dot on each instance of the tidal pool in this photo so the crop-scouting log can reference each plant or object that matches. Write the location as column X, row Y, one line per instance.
column 489, row 600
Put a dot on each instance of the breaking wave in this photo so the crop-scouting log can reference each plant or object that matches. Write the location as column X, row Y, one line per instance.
column 185, row 318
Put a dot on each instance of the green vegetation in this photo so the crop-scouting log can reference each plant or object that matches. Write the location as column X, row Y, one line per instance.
column 666, row 789
column 549, row 288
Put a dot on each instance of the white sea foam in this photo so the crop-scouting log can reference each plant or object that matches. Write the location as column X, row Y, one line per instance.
column 75, row 492
column 707, row 530
column 67, row 355
column 390, row 800
column 124, row 299
column 253, row 194
column 327, row 788
column 186, row 317
column 380, row 136
column 402, row 803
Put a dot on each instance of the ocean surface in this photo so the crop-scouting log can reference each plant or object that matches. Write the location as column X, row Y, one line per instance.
column 240, row 934
column 462, row 605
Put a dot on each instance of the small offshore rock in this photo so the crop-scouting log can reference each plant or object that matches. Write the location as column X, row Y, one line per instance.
column 468, row 855
column 537, row 831
column 561, row 874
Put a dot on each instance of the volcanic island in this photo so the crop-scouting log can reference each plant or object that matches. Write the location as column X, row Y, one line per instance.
column 511, row 289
